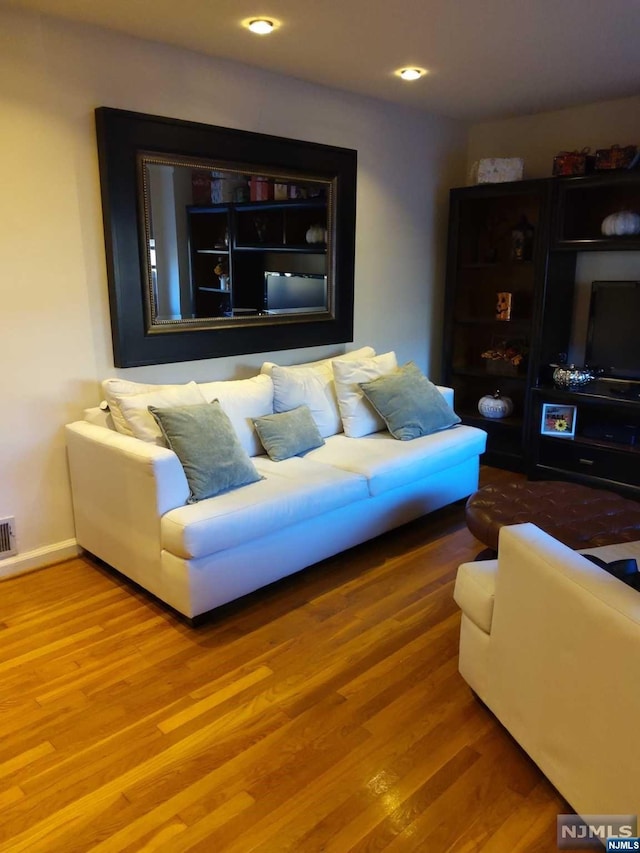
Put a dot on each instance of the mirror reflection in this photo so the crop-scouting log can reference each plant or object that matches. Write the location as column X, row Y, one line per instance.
column 231, row 245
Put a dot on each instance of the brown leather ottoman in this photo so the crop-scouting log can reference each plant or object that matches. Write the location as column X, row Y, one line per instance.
column 578, row 516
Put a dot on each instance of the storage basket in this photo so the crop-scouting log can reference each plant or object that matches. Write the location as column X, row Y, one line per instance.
column 573, row 162
column 616, row 157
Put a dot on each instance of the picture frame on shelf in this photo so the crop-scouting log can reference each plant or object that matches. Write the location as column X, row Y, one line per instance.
column 558, row 420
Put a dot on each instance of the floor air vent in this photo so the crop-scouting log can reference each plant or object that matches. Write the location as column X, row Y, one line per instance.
column 7, row 538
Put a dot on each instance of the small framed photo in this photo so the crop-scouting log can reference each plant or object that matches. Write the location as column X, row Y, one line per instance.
column 559, row 421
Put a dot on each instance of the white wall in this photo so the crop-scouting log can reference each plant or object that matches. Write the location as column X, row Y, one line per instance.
column 54, row 323
column 537, row 139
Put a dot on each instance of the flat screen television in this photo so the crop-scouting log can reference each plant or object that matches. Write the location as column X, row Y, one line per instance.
column 294, row 293
column 613, row 336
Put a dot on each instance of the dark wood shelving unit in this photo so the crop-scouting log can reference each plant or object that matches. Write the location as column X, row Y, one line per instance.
column 481, row 265
column 567, row 214
column 605, row 451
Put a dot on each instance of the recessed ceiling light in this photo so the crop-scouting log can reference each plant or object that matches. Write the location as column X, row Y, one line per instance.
column 261, row 26
column 411, row 73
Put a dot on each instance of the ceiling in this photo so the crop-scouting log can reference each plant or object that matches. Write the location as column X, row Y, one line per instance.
column 486, row 58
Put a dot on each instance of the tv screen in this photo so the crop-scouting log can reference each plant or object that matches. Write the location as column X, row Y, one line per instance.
column 289, row 293
column 613, row 337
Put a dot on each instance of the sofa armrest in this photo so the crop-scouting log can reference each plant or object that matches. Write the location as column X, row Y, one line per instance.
column 563, row 669
column 447, row 393
column 121, row 488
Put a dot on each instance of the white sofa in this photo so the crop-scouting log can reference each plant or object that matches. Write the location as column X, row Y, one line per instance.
column 550, row 643
column 131, row 510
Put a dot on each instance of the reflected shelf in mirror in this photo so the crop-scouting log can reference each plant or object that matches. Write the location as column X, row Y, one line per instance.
column 216, row 237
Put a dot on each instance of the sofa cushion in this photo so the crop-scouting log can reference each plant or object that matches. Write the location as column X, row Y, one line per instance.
column 203, row 439
column 115, row 390
column 409, row 403
column 389, row 464
column 311, row 383
column 135, row 409
column 288, row 434
column 474, row 591
column 243, row 400
column 310, row 386
column 362, row 352
column 291, row 491
column 358, row 415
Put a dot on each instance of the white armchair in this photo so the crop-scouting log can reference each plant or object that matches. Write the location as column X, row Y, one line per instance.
column 551, row 643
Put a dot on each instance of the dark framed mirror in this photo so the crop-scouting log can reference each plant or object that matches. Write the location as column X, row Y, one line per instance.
column 222, row 242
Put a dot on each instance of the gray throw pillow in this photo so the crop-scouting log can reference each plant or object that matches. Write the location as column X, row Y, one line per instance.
column 203, row 439
column 409, row 403
column 288, row 434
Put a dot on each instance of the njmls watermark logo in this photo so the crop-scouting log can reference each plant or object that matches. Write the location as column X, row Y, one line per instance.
column 623, row 844
column 578, row 832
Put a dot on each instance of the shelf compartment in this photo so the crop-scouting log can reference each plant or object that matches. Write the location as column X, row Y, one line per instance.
column 487, row 221
column 469, row 341
column 613, row 462
column 583, row 203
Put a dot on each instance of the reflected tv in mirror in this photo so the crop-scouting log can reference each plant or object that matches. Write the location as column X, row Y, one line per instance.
column 613, row 337
column 288, row 293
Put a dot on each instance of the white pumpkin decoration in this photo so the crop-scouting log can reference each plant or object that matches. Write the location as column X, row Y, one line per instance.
column 316, row 234
column 495, row 406
column 621, row 224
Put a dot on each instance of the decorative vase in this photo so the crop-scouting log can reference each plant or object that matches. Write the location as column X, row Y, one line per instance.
column 495, row 406
column 224, row 282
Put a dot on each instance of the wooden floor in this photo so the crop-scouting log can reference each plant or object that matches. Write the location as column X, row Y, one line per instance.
column 323, row 714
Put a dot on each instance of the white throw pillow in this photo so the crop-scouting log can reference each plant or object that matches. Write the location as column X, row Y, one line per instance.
column 358, row 415
column 363, row 352
column 308, row 386
column 314, row 388
column 135, row 409
column 242, row 400
column 114, row 390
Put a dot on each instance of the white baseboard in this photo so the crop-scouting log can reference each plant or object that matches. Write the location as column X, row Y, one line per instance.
column 38, row 558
